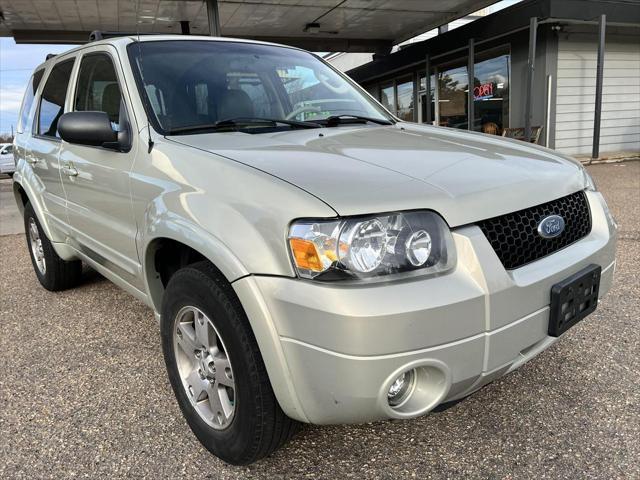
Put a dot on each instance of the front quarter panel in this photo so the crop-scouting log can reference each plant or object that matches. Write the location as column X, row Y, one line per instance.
column 234, row 215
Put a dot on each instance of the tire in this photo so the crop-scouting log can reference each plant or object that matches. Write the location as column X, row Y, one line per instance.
column 257, row 426
column 56, row 274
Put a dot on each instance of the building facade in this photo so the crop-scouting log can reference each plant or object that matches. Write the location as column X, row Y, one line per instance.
column 538, row 60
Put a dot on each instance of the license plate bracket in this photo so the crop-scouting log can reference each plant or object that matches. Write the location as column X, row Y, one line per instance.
column 573, row 299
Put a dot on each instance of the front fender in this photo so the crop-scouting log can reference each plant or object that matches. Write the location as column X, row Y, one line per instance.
column 173, row 227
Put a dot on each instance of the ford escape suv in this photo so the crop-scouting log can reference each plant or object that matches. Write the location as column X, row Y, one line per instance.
column 309, row 257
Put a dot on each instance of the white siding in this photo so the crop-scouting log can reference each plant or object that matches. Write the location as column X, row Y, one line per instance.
column 576, row 83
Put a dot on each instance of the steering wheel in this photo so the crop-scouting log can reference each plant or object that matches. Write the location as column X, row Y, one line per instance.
column 299, row 110
column 324, row 80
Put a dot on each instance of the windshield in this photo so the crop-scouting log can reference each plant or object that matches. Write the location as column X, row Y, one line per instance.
column 191, row 83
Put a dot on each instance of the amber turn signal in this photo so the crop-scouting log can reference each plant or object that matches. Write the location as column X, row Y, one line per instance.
column 305, row 255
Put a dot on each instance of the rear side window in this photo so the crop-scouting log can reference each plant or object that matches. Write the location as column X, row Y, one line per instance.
column 98, row 88
column 53, row 97
column 27, row 103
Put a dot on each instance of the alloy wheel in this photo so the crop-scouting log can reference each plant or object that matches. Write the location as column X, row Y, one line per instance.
column 36, row 246
column 204, row 367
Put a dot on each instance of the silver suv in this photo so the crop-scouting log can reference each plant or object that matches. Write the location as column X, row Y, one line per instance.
column 309, row 256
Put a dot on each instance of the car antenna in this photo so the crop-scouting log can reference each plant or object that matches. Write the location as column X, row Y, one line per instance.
column 142, row 75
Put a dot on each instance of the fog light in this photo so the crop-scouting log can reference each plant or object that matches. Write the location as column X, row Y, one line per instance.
column 400, row 387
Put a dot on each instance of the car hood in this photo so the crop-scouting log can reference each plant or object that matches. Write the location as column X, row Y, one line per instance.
column 463, row 176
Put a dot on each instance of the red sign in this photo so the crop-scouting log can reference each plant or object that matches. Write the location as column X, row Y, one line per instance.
column 483, row 91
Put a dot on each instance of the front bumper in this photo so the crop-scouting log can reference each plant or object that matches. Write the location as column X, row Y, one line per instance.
column 332, row 351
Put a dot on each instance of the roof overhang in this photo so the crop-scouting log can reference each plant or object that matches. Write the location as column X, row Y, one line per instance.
column 337, row 25
column 621, row 14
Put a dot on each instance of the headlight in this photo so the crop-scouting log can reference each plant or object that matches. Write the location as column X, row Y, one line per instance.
column 410, row 243
column 589, row 184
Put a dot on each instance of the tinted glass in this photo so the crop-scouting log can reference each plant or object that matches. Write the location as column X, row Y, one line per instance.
column 405, row 100
column 452, row 97
column 491, row 95
column 27, row 103
column 98, row 88
column 53, row 97
column 191, row 83
column 388, row 98
column 8, row 149
column 423, row 99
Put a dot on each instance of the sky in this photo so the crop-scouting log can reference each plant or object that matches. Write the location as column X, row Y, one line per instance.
column 17, row 63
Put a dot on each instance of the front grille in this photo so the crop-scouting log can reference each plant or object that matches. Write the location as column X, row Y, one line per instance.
column 515, row 238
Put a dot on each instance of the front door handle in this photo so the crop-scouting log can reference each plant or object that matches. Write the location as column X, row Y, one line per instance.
column 69, row 170
column 31, row 160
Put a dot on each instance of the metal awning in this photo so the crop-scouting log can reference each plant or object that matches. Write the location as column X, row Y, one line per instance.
column 321, row 25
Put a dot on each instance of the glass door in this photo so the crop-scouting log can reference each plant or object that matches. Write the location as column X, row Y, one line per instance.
column 491, row 95
column 422, row 99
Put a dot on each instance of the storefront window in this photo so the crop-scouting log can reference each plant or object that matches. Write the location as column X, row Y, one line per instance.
column 491, row 95
column 452, row 98
column 449, row 94
column 373, row 91
column 405, row 100
column 387, row 98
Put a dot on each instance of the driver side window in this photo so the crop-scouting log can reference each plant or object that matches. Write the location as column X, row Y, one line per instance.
column 98, row 88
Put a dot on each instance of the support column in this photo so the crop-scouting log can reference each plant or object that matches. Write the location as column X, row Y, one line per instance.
column 471, row 75
column 213, row 16
column 427, row 83
column 595, row 152
column 531, row 66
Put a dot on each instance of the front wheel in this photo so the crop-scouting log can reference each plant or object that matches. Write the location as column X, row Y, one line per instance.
column 216, row 370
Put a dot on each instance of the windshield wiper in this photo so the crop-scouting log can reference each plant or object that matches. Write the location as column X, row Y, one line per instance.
column 270, row 121
column 237, row 123
column 334, row 120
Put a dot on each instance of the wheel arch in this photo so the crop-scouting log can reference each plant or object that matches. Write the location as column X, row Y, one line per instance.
column 166, row 253
column 21, row 196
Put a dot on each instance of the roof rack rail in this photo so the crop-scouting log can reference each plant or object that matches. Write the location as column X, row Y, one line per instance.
column 100, row 35
column 50, row 56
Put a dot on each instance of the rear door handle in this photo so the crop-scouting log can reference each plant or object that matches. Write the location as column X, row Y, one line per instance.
column 70, row 171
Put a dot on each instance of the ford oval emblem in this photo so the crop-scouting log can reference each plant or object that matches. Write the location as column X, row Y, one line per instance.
column 551, row 226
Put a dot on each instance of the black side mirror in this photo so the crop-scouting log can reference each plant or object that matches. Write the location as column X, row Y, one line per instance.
column 88, row 128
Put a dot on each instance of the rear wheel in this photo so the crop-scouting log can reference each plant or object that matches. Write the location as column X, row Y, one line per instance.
column 216, row 369
column 53, row 273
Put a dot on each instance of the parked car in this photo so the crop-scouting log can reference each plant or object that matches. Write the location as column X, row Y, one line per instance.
column 7, row 164
column 335, row 265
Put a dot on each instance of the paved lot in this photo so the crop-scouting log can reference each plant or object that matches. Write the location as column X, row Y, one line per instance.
column 83, row 393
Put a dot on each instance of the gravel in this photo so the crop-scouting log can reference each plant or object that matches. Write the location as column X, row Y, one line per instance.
column 83, row 393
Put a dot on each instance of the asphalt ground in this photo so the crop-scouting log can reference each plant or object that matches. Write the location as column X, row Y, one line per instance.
column 83, row 392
